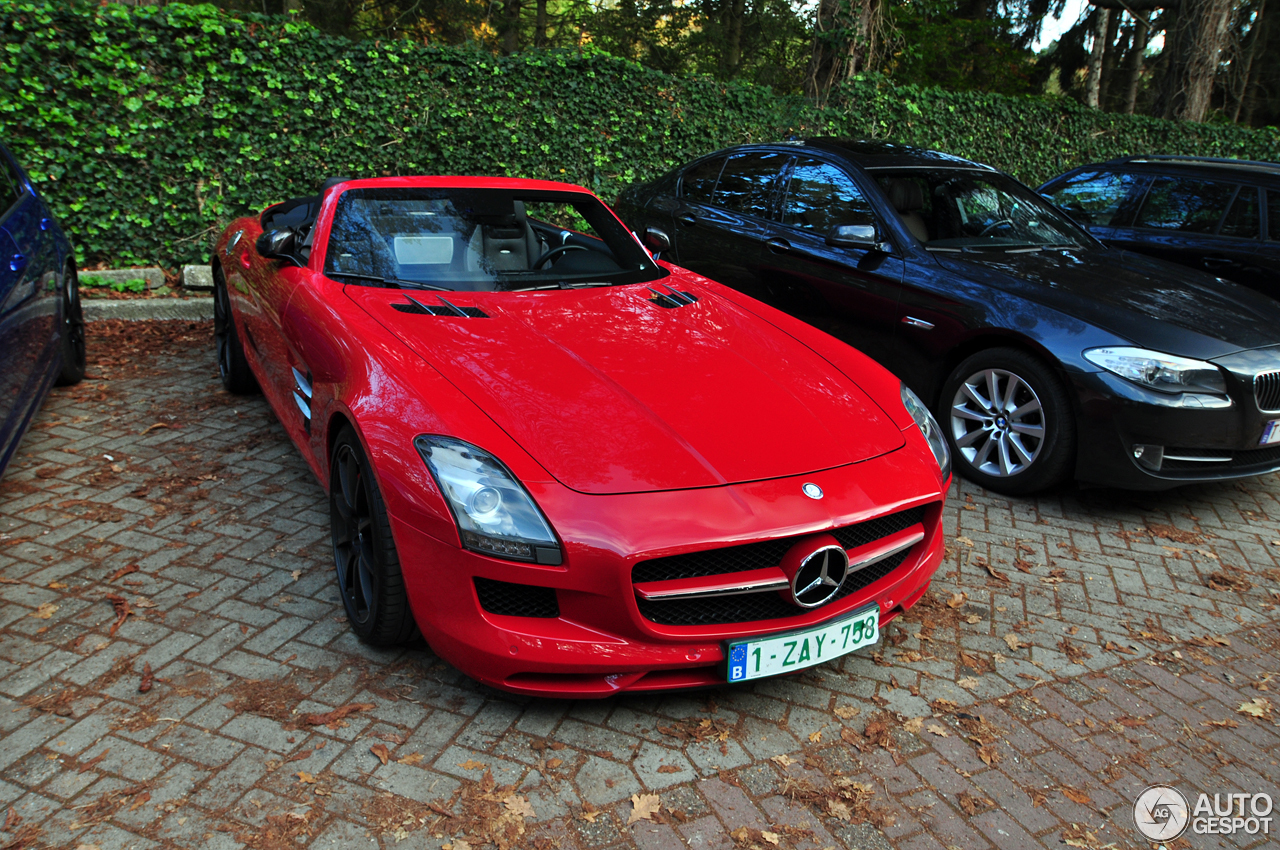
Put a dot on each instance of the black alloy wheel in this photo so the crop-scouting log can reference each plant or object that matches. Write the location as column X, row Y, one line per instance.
column 369, row 577
column 233, row 368
column 73, row 341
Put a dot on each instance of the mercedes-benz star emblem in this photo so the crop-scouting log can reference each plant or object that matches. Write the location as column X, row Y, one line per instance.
column 819, row 577
column 813, row 491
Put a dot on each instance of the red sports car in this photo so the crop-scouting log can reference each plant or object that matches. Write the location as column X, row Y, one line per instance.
column 576, row 469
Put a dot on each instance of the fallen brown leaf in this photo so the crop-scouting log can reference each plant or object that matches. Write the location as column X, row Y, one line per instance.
column 472, row 764
column 1076, row 796
column 44, row 612
column 1257, row 707
column 380, row 750
column 121, row 606
column 665, row 768
column 337, row 714
column 305, row 778
column 147, row 678
column 643, row 807
column 956, row 599
column 973, row 803
column 412, row 758
column 11, row 820
column 124, row 571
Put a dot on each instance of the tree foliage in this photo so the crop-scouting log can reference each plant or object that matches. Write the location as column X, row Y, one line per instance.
column 149, row 128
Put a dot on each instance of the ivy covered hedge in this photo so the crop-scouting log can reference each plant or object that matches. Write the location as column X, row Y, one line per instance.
column 150, row 127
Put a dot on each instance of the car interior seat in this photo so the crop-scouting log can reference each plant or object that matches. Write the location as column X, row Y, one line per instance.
column 908, row 199
column 504, row 243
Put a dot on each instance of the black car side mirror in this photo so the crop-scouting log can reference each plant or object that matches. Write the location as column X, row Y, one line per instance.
column 861, row 236
column 657, row 240
column 277, row 244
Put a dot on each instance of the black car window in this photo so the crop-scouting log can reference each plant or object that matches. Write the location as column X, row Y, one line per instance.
column 700, row 181
column 10, row 185
column 1273, row 215
column 1177, row 203
column 1242, row 218
column 821, row 196
column 746, row 184
column 1095, row 197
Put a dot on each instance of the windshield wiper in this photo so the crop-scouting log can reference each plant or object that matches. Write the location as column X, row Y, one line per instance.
column 560, row 284
column 389, row 282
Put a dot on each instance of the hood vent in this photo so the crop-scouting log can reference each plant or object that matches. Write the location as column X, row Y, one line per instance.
column 444, row 308
column 671, row 298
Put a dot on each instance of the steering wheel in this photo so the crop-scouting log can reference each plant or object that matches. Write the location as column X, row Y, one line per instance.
column 1000, row 222
column 555, row 252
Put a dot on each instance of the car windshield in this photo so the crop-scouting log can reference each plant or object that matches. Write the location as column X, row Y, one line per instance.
column 481, row 240
column 970, row 210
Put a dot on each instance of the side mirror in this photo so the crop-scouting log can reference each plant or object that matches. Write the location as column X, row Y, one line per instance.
column 657, row 240
column 276, row 244
column 854, row 236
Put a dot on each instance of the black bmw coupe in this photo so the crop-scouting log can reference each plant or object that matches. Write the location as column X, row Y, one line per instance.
column 1045, row 354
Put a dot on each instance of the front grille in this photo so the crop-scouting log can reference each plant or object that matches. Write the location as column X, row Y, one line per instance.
column 750, row 607
column 516, row 600
column 1266, row 389
column 1242, row 460
column 768, row 553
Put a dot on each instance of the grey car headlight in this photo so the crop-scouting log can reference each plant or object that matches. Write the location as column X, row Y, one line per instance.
column 1166, row 373
column 929, row 428
column 495, row 514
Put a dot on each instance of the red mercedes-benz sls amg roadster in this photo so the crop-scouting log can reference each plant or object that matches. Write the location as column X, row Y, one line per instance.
column 576, row 469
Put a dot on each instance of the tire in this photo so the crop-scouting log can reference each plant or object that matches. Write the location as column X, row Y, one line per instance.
column 1023, row 443
column 233, row 368
column 368, row 567
column 72, row 340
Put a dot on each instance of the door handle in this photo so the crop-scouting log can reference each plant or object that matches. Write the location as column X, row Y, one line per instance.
column 687, row 219
column 17, row 262
column 778, row 246
column 46, row 223
column 1216, row 262
column 245, row 262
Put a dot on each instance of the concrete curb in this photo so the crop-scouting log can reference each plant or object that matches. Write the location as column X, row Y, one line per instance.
column 152, row 275
column 144, row 309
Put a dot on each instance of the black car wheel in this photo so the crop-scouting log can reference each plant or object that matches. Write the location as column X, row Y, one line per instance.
column 72, row 342
column 369, row 577
column 233, row 368
column 1009, row 421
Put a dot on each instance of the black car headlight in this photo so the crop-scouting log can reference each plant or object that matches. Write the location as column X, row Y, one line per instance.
column 495, row 514
column 929, row 428
column 1166, row 373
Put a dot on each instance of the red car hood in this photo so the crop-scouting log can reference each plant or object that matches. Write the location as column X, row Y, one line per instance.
column 613, row 393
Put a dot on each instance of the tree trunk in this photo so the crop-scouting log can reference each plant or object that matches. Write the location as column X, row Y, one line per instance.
column 1093, row 86
column 510, row 31
column 846, row 39
column 732, row 15
column 1194, row 45
column 1255, row 36
column 1112, row 51
column 1141, row 31
column 540, row 25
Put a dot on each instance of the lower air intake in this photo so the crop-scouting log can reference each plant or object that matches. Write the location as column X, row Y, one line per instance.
column 516, row 600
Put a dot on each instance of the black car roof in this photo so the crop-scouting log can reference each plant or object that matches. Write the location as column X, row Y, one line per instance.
column 876, row 153
column 1203, row 165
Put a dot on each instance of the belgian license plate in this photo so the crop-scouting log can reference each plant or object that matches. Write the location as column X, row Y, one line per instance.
column 774, row 654
column 1270, row 433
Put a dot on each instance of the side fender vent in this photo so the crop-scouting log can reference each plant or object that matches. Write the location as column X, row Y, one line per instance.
column 671, row 298
column 444, row 308
column 302, row 396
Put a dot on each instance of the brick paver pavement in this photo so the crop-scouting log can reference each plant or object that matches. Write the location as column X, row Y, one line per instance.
column 1075, row 649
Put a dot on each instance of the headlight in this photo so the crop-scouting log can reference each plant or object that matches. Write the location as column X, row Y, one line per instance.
column 1166, row 373
column 495, row 514
column 929, row 428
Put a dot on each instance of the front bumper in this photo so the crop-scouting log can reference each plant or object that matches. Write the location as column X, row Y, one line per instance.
column 1191, row 443
column 600, row 643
